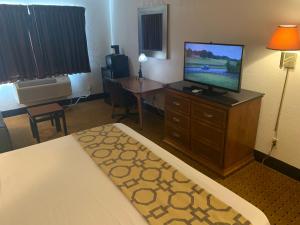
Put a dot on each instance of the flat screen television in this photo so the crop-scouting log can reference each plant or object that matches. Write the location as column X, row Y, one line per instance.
column 213, row 65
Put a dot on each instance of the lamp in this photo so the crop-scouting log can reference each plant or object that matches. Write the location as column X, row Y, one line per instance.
column 285, row 38
column 142, row 58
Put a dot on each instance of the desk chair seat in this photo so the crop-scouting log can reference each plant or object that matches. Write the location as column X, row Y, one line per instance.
column 120, row 98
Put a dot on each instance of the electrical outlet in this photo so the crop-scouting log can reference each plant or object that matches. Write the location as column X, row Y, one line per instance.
column 274, row 141
column 89, row 89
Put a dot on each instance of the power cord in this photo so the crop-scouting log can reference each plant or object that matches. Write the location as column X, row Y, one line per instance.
column 79, row 98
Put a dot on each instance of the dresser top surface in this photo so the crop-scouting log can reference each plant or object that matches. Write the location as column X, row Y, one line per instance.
column 227, row 99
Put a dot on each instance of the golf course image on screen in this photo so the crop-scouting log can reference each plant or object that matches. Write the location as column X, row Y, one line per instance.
column 213, row 64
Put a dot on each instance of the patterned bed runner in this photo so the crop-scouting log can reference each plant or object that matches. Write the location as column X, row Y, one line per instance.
column 160, row 193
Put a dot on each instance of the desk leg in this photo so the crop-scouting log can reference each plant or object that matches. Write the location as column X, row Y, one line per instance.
column 32, row 128
column 52, row 120
column 140, row 108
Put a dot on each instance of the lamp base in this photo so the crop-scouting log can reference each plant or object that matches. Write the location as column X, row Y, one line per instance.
column 288, row 60
column 140, row 72
column 140, row 75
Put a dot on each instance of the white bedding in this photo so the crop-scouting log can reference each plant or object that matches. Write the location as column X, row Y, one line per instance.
column 56, row 183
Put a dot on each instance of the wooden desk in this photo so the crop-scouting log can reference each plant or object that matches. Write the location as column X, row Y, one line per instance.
column 140, row 89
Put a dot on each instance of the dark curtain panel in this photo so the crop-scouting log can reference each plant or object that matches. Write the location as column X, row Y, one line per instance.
column 152, row 31
column 16, row 55
column 59, row 39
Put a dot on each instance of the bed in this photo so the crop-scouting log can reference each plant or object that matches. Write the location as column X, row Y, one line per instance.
column 57, row 183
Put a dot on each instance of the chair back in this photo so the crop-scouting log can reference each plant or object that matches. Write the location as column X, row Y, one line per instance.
column 116, row 92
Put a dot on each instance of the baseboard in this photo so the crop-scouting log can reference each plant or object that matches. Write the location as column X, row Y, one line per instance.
column 271, row 162
column 89, row 98
column 13, row 112
column 19, row 111
column 278, row 165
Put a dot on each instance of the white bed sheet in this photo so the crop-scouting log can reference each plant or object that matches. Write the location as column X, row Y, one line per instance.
column 56, row 183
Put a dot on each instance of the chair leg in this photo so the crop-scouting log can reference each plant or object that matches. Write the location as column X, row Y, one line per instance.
column 36, row 131
column 52, row 121
column 57, row 123
column 64, row 124
column 32, row 129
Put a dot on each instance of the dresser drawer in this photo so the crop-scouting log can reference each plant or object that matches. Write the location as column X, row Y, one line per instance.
column 177, row 136
column 177, row 103
column 213, row 116
column 210, row 136
column 205, row 152
column 177, row 120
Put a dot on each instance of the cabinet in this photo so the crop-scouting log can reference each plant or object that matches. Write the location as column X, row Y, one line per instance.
column 217, row 131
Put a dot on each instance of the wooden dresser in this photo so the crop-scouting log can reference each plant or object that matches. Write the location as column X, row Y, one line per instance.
column 218, row 131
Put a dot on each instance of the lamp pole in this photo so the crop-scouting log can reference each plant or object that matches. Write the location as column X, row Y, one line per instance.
column 275, row 137
column 281, row 101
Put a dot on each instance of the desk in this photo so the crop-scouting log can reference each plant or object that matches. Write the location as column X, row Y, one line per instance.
column 140, row 89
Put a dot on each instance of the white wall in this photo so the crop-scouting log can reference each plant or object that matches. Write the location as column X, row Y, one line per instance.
column 231, row 21
column 98, row 39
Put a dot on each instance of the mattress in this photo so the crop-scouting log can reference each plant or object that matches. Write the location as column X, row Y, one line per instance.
column 57, row 183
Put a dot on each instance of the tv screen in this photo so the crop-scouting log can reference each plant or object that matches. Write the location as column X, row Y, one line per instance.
column 215, row 65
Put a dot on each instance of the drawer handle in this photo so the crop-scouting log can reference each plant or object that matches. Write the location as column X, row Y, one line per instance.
column 207, row 115
column 176, row 135
column 176, row 103
column 175, row 119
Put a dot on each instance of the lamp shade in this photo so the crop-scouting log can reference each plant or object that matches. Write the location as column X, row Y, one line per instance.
column 285, row 38
column 143, row 58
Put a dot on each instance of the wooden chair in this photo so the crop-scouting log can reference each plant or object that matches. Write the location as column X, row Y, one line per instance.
column 120, row 98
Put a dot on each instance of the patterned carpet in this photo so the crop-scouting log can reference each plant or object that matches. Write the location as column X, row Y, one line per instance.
column 277, row 195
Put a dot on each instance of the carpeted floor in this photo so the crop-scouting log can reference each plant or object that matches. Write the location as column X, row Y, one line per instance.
column 277, row 195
